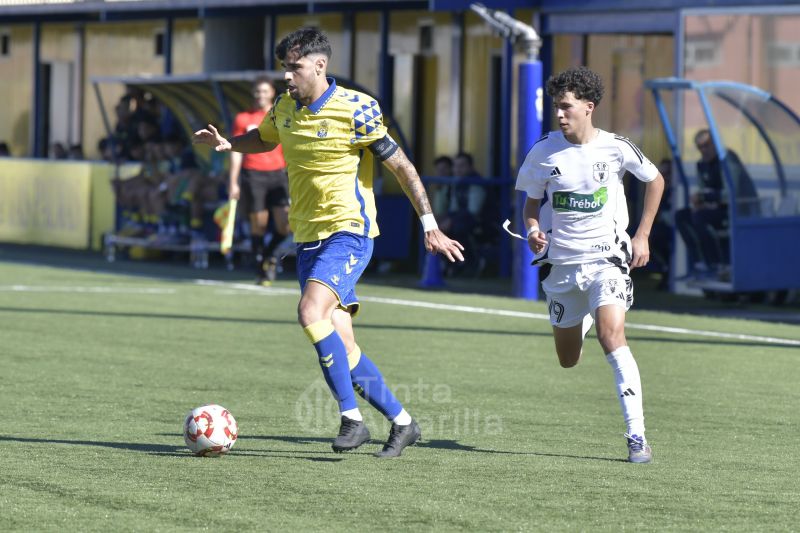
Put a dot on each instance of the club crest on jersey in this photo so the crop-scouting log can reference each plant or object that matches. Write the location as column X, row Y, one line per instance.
column 322, row 131
column 287, row 123
column 600, row 172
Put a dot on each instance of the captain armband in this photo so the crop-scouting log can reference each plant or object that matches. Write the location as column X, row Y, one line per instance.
column 384, row 148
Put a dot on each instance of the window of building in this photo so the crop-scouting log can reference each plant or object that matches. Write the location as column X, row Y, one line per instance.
column 702, row 54
column 159, row 43
column 783, row 54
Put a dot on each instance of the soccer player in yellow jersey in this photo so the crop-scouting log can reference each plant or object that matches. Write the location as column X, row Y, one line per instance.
column 329, row 137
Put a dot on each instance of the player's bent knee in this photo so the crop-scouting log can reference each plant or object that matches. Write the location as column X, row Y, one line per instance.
column 308, row 313
column 611, row 340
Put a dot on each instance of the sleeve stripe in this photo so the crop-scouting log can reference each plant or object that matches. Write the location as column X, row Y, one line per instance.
column 633, row 146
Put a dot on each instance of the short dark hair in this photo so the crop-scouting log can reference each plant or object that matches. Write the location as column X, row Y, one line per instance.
column 584, row 83
column 308, row 40
column 443, row 159
column 467, row 156
column 702, row 134
column 260, row 80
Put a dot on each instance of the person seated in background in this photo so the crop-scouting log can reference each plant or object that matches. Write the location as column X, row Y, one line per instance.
column 138, row 196
column 4, row 151
column 699, row 225
column 75, row 152
column 106, row 148
column 473, row 214
column 438, row 192
column 462, row 210
column 57, row 151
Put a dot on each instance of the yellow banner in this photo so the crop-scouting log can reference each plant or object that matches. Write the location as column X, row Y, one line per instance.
column 45, row 202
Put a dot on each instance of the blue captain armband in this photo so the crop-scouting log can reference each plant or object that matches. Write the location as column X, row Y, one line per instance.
column 384, row 148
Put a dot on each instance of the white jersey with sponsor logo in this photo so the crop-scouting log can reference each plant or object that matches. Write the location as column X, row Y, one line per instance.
column 586, row 214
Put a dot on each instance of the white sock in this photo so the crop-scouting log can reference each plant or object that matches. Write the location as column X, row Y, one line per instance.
column 629, row 388
column 402, row 419
column 353, row 414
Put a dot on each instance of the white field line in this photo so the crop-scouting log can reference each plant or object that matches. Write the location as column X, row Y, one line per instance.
column 504, row 312
column 85, row 290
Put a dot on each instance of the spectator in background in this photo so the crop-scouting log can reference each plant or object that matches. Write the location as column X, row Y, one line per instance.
column 186, row 183
column 463, row 170
column 700, row 223
column 125, row 130
column 147, row 131
column 139, row 195
column 4, row 151
column 473, row 216
column 106, row 148
column 75, row 152
column 57, row 151
column 439, row 192
column 260, row 180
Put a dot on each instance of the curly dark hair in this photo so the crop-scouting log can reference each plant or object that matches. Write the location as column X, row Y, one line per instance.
column 584, row 83
column 308, row 40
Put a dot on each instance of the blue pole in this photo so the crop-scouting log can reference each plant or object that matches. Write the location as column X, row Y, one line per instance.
column 506, row 89
column 530, row 93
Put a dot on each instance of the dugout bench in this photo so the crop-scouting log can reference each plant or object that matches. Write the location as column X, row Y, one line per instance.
column 762, row 232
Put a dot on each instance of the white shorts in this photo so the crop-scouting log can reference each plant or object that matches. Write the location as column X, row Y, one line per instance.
column 573, row 291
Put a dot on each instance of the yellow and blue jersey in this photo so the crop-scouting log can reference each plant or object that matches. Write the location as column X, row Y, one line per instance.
column 330, row 168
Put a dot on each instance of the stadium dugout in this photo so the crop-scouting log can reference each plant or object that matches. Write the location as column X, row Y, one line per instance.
column 196, row 100
column 756, row 139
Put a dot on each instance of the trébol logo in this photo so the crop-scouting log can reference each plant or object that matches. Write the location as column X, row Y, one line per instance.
column 583, row 203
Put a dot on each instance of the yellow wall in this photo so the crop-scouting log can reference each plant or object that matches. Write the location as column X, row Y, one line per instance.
column 480, row 46
column 367, row 50
column 188, row 42
column 59, row 42
column 16, row 90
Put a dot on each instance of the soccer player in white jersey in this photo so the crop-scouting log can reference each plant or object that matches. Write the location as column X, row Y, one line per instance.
column 579, row 235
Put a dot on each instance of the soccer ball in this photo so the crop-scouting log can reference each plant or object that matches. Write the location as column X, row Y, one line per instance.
column 210, row 430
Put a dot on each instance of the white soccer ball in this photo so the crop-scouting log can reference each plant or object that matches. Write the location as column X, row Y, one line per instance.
column 210, row 430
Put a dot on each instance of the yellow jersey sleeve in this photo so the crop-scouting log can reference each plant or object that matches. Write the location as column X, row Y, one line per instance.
column 367, row 123
column 267, row 129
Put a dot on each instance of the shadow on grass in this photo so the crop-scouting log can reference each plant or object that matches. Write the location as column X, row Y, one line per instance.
column 171, row 451
column 435, row 444
column 456, row 446
column 180, row 451
column 416, row 328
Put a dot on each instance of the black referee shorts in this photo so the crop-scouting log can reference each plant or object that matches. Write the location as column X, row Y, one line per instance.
column 262, row 190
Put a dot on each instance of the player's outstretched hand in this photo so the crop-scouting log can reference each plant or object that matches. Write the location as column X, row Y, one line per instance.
column 641, row 251
column 537, row 240
column 437, row 242
column 212, row 138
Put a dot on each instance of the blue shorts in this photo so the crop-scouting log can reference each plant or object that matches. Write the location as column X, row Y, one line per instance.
column 337, row 262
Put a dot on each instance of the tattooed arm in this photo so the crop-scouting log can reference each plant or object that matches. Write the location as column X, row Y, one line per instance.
column 406, row 174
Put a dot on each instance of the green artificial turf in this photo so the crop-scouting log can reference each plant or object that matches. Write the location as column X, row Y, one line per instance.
column 98, row 371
